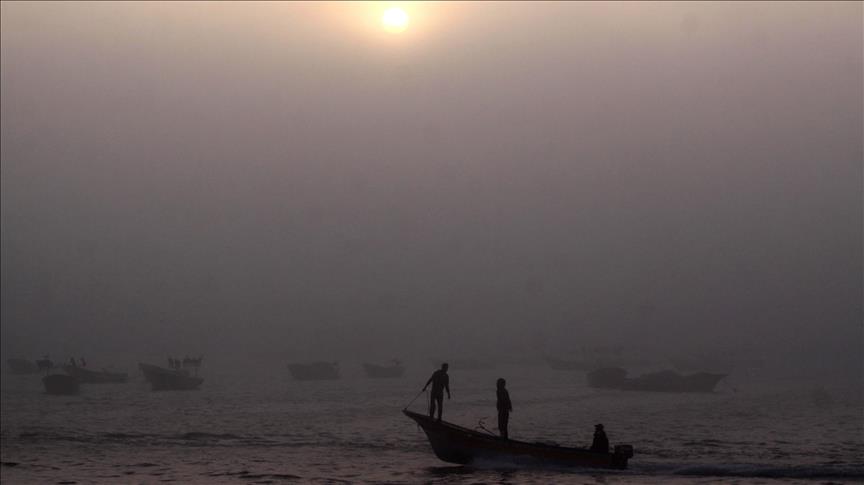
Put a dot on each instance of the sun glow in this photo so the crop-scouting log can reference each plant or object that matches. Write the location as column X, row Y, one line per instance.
column 394, row 19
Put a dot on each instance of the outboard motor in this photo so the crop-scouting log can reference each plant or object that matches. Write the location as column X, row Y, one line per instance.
column 620, row 456
column 624, row 450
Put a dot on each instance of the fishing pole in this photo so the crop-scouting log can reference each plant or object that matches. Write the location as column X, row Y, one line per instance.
column 415, row 398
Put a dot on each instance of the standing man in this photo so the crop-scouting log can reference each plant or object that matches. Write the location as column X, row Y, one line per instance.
column 601, row 442
column 504, row 407
column 440, row 381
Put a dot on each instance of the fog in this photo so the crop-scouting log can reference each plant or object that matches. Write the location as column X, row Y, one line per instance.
column 288, row 182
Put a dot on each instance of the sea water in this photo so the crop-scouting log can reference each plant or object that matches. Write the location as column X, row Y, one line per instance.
column 261, row 426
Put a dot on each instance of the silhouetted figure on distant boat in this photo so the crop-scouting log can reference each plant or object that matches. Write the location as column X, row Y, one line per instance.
column 601, row 442
column 440, row 381
column 504, row 407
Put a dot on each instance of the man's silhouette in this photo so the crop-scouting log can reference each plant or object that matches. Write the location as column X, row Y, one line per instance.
column 440, row 381
column 601, row 442
column 504, row 407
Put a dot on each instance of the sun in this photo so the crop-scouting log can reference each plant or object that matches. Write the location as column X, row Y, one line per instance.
column 394, row 19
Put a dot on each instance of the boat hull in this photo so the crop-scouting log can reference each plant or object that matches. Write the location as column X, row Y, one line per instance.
column 87, row 376
column 666, row 381
column 61, row 384
column 455, row 444
column 162, row 379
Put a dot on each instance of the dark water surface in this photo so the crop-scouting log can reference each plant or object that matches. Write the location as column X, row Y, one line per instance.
column 264, row 427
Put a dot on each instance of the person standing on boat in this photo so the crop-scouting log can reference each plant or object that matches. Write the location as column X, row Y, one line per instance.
column 440, row 381
column 601, row 442
column 504, row 407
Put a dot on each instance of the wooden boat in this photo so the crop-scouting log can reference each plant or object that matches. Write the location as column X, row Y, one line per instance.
column 89, row 376
column 22, row 366
column 664, row 381
column 162, row 379
column 314, row 371
column 384, row 371
column 455, row 444
column 61, row 384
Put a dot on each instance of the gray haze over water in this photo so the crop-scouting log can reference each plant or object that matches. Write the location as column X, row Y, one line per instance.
column 276, row 182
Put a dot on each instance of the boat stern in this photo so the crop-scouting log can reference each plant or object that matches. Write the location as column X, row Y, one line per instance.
column 620, row 455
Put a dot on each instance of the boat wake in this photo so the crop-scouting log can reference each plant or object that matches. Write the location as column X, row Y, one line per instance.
column 828, row 471
column 840, row 472
column 506, row 465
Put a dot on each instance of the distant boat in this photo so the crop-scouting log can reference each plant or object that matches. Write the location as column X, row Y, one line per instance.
column 719, row 362
column 664, row 381
column 162, row 379
column 314, row 371
column 384, row 371
column 89, row 376
column 455, row 444
column 61, row 384
column 22, row 366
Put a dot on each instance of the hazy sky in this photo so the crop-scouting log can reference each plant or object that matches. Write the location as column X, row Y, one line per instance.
column 290, row 179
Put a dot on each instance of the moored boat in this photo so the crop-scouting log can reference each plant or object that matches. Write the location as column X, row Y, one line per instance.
column 384, row 371
column 314, row 371
column 162, row 379
column 455, row 444
column 664, row 381
column 61, row 384
column 89, row 376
